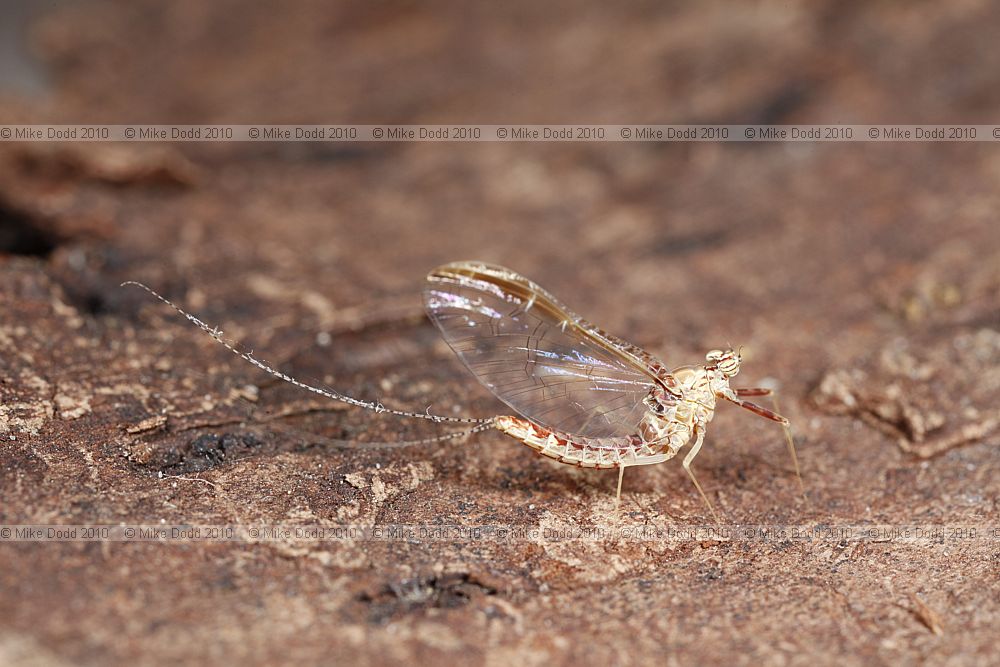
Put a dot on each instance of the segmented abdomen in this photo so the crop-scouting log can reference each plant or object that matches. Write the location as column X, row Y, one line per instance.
column 583, row 452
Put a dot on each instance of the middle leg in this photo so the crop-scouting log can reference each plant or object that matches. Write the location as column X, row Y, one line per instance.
column 699, row 439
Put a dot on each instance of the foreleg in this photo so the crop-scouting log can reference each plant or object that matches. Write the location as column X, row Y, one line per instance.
column 736, row 396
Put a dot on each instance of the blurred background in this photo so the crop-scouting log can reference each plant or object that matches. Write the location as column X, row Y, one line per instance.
column 863, row 279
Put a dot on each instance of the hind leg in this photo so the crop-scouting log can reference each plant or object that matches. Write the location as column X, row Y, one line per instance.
column 618, row 494
column 635, row 461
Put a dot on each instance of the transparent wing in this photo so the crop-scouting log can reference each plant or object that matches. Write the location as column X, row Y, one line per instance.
column 534, row 354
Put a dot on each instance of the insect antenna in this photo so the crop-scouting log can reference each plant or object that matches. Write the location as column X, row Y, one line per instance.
column 328, row 393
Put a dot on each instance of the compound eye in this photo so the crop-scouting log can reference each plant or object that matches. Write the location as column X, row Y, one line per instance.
column 729, row 367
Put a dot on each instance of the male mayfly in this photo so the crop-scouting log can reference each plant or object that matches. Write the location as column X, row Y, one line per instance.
column 581, row 395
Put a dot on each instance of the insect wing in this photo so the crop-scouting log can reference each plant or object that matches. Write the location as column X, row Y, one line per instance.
column 534, row 354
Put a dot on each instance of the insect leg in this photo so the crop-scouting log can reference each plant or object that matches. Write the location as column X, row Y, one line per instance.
column 754, row 391
column 618, row 495
column 636, row 461
column 787, row 426
column 700, row 438
column 773, row 416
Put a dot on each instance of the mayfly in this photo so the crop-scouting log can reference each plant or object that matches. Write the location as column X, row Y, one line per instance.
column 581, row 395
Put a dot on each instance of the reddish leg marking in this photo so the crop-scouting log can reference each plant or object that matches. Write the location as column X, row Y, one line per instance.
column 757, row 409
column 753, row 391
column 773, row 416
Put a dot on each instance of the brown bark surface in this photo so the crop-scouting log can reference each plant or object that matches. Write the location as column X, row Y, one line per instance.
column 864, row 278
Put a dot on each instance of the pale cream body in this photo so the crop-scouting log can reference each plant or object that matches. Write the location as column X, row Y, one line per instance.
column 666, row 428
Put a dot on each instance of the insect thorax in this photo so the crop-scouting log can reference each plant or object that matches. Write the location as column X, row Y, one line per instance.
column 673, row 416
